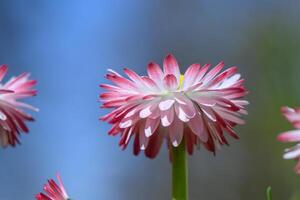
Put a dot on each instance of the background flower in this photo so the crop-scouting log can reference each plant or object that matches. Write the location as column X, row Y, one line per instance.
column 53, row 191
column 293, row 116
column 12, row 118
column 199, row 106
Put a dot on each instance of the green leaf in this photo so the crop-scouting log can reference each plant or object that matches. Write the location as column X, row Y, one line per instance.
column 269, row 193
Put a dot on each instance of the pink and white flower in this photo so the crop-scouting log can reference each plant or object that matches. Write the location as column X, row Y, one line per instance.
column 53, row 191
column 197, row 106
column 293, row 116
column 12, row 118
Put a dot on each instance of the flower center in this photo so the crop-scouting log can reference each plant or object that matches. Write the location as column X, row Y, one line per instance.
column 180, row 81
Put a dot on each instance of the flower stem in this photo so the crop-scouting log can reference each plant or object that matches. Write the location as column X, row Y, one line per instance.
column 179, row 173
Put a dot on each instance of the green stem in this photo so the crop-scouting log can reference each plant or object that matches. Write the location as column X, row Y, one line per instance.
column 269, row 193
column 179, row 173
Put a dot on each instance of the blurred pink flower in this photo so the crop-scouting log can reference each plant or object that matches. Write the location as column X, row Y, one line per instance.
column 12, row 118
column 53, row 191
column 293, row 116
column 199, row 105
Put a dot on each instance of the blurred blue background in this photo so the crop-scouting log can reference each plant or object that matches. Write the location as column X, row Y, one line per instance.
column 68, row 45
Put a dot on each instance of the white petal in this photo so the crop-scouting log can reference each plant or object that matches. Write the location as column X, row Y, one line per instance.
column 209, row 115
column 166, row 105
column 230, row 81
column 143, row 147
column 148, row 131
column 182, row 116
column 176, row 132
column 151, row 126
column 145, row 112
column 175, row 143
column 126, row 124
column 130, row 113
column 291, row 154
column 165, row 122
column 2, row 116
column 180, row 101
column 128, row 135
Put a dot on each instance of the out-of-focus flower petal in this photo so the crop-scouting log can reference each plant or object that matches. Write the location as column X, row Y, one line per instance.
column 53, row 191
column 12, row 117
column 293, row 116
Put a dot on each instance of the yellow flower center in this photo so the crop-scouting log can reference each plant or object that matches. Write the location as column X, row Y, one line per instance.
column 180, row 81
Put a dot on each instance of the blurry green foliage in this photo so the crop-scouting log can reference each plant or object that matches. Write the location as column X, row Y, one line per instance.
column 296, row 196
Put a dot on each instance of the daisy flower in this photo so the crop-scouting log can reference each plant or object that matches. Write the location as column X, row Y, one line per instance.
column 196, row 107
column 293, row 116
column 12, row 117
column 53, row 191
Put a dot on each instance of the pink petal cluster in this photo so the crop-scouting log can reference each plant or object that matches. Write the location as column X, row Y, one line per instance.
column 12, row 118
column 53, row 191
column 199, row 106
column 293, row 116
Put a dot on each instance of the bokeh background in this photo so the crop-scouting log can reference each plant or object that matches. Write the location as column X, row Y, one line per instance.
column 68, row 45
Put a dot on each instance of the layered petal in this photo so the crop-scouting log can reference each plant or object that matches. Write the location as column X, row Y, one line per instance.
column 12, row 116
column 293, row 116
column 53, row 191
column 171, row 66
column 199, row 106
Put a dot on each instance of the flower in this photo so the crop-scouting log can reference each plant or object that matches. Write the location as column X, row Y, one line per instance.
column 198, row 106
column 12, row 118
column 293, row 116
column 53, row 191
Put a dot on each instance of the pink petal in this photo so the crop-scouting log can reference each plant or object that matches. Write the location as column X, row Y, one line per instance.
column 230, row 117
column 166, row 104
column 297, row 167
column 187, row 107
column 155, row 142
column 202, row 72
column 150, row 83
column 292, row 153
column 212, row 73
column 223, row 77
column 133, row 76
column 204, row 100
column 145, row 112
column 151, row 126
column 190, row 75
column 197, row 126
column 167, row 117
column 231, row 81
column 155, row 73
column 289, row 136
column 171, row 66
column 190, row 140
column 170, row 82
column 136, row 144
column 14, row 82
column 181, row 114
column 61, row 186
column 209, row 113
column 290, row 114
column 121, row 82
column 110, row 87
column 143, row 139
column 176, row 132
column 3, row 70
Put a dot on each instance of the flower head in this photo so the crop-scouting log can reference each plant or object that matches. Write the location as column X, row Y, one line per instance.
column 53, row 191
column 12, row 118
column 293, row 116
column 199, row 106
